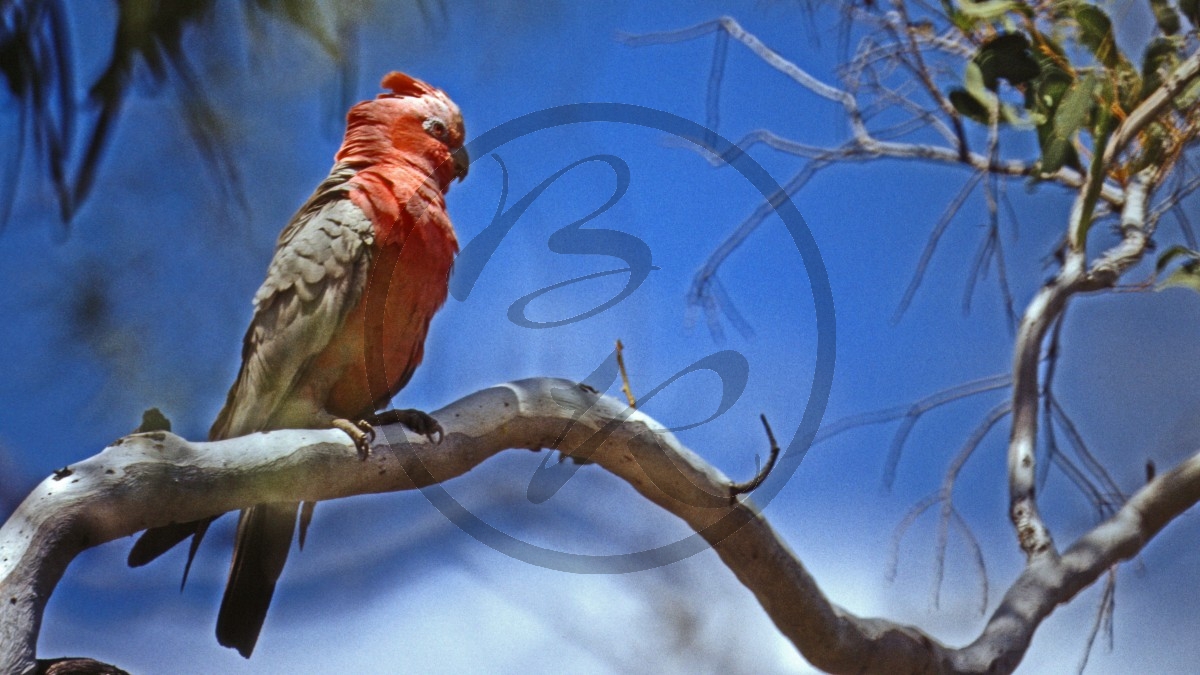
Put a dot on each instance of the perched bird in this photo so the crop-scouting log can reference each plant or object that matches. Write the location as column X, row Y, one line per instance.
column 340, row 322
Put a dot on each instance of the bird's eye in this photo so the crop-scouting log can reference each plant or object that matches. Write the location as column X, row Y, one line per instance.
column 437, row 129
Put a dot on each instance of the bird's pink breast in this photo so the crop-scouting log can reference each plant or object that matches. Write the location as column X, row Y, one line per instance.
column 383, row 338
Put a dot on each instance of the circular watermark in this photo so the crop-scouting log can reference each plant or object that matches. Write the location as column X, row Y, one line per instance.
column 730, row 366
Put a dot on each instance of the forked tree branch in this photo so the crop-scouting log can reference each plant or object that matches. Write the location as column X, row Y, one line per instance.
column 147, row 480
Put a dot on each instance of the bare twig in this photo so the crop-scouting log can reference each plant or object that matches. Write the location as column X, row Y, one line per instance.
column 922, row 72
column 1054, row 456
column 935, row 236
column 625, row 376
column 1172, row 202
column 1112, row 494
column 744, row 487
column 946, row 494
column 913, row 413
column 977, row 557
column 699, row 294
column 914, row 512
column 1104, row 615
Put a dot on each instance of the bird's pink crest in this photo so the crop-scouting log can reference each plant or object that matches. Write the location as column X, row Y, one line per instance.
column 403, row 85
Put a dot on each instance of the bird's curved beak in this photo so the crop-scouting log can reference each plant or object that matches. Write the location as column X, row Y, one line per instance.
column 462, row 162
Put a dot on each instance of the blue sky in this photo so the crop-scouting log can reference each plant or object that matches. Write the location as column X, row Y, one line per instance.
column 386, row 580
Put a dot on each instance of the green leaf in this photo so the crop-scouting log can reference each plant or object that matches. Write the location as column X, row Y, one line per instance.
column 1129, row 86
column 1165, row 16
column 1010, row 114
column 968, row 106
column 973, row 81
column 1070, row 115
column 989, row 9
column 1076, row 106
column 1162, row 55
column 1187, row 276
column 1096, row 33
column 1057, row 152
column 974, row 100
column 1170, row 254
column 1188, row 96
column 1007, row 57
column 1047, row 89
column 1050, row 89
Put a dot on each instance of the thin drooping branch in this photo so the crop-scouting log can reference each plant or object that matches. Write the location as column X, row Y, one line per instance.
column 705, row 290
column 924, row 405
column 152, row 479
column 914, row 512
column 899, row 24
column 1112, row 495
column 913, row 410
column 864, row 143
column 1053, row 415
column 1104, row 616
column 935, row 235
column 972, row 542
column 871, row 148
column 906, row 52
column 949, row 513
column 1184, row 187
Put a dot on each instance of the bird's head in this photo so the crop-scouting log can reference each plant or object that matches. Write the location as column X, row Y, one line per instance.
column 413, row 122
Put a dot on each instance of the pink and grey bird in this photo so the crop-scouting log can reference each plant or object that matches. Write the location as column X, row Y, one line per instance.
column 339, row 324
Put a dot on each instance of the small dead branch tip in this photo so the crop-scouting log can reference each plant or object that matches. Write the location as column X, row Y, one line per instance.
column 736, row 489
column 153, row 420
column 625, row 376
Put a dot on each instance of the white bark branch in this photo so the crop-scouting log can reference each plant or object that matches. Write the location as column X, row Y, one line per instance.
column 147, row 480
column 1049, row 582
column 1074, row 277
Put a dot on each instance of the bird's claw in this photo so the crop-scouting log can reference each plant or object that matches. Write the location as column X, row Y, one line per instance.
column 366, row 428
column 360, row 432
column 418, row 421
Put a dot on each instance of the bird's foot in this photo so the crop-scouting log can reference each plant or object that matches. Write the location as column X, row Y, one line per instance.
column 360, row 432
column 418, row 421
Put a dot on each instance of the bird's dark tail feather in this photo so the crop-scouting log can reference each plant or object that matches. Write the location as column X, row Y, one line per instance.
column 158, row 540
column 264, row 536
